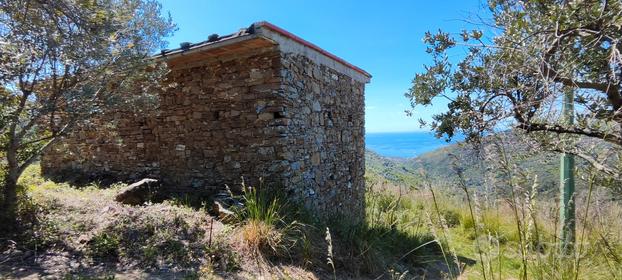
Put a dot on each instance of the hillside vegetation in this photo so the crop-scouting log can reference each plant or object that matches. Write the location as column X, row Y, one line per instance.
column 441, row 165
column 503, row 219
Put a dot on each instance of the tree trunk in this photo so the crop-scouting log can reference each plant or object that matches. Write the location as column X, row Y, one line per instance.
column 9, row 203
column 8, row 208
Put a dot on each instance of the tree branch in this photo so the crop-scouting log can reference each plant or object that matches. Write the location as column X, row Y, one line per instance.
column 36, row 155
column 40, row 151
column 613, row 173
column 612, row 90
column 530, row 127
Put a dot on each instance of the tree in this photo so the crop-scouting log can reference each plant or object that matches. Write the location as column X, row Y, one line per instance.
column 63, row 62
column 517, row 77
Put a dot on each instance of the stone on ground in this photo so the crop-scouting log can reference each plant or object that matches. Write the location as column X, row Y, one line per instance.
column 137, row 193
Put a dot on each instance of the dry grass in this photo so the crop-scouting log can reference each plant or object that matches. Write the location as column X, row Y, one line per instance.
column 507, row 238
column 264, row 230
column 526, row 245
column 259, row 237
column 84, row 232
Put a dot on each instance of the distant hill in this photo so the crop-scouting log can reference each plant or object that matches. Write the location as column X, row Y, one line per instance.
column 395, row 170
column 440, row 166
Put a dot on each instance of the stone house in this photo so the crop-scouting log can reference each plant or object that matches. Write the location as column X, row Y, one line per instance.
column 259, row 103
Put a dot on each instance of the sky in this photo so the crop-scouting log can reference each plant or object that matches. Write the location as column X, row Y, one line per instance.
column 382, row 37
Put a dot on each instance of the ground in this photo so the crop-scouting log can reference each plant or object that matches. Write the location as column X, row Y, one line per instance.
column 410, row 232
column 82, row 233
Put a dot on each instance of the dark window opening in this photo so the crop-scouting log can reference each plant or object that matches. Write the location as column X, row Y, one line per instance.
column 279, row 115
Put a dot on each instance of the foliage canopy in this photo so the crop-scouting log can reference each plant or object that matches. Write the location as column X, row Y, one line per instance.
column 540, row 50
column 63, row 62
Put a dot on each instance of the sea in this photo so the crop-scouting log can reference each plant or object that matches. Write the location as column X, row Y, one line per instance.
column 405, row 144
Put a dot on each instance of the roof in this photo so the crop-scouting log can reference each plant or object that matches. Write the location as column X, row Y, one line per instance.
column 255, row 31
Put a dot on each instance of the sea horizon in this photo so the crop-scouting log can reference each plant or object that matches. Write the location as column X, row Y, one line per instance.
column 407, row 144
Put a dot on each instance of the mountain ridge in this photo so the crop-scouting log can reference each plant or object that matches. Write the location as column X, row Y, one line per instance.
column 441, row 166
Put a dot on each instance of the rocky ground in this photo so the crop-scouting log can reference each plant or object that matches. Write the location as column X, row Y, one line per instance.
column 84, row 233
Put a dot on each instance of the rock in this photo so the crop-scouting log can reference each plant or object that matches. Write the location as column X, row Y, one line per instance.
column 224, row 206
column 265, row 116
column 83, row 239
column 317, row 107
column 315, row 159
column 224, row 215
column 27, row 255
column 137, row 193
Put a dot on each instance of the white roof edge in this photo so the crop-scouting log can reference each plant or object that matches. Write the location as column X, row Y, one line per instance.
column 288, row 45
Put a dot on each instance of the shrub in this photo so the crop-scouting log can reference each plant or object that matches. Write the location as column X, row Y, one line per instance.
column 104, row 246
column 490, row 223
column 452, row 217
column 33, row 230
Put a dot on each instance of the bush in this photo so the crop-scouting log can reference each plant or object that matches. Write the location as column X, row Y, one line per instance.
column 33, row 231
column 104, row 246
column 452, row 217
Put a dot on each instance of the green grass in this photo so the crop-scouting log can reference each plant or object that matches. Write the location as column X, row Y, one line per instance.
column 262, row 204
column 104, row 246
column 503, row 238
column 502, row 243
column 406, row 229
column 392, row 240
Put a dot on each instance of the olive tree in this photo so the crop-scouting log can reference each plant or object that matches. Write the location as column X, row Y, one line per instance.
column 517, row 67
column 63, row 62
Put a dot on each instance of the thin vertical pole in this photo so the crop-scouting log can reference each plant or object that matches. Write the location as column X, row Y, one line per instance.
column 567, row 183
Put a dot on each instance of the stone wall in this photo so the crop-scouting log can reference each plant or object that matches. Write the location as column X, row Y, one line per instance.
column 120, row 145
column 327, row 143
column 215, row 126
column 266, row 114
column 219, row 123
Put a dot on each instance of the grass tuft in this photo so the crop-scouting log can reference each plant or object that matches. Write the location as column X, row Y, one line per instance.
column 263, row 229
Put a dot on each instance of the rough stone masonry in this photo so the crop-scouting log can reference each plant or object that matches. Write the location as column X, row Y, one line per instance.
column 259, row 103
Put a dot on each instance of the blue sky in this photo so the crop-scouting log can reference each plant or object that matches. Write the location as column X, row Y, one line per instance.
column 382, row 37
